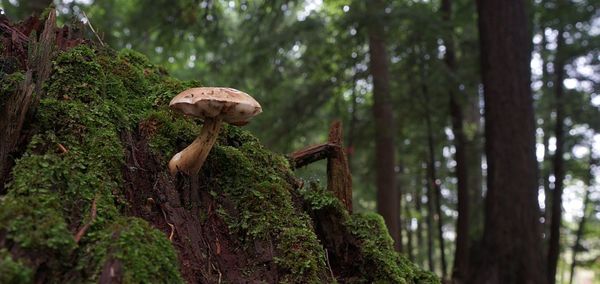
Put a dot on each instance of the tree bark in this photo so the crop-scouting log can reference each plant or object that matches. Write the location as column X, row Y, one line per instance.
column 339, row 179
column 461, row 253
column 387, row 193
column 511, row 246
column 558, row 162
column 20, row 105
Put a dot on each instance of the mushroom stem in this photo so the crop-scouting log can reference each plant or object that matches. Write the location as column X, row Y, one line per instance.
column 191, row 159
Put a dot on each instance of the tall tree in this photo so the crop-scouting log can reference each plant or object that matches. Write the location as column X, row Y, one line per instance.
column 418, row 201
column 461, row 253
column 580, row 229
column 511, row 246
column 558, row 160
column 429, row 220
column 387, row 194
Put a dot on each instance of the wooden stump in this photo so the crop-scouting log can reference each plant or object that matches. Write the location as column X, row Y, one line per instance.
column 339, row 179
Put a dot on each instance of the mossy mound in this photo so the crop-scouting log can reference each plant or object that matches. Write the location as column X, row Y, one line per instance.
column 91, row 200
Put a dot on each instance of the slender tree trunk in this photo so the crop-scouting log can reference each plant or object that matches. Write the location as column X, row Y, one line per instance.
column 409, row 232
column 545, row 171
column 511, row 246
column 473, row 152
column 434, row 183
column 387, row 194
column 418, row 202
column 353, row 122
column 461, row 254
column 558, row 162
column 434, row 186
column 430, row 214
column 580, row 229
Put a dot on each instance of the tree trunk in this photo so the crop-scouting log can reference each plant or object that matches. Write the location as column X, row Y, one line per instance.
column 511, row 246
column 473, row 149
column 580, row 229
column 544, row 170
column 387, row 193
column 434, row 186
column 418, row 202
column 434, row 183
column 461, row 254
column 558, row 163
column 430, row 225
column 409, row 232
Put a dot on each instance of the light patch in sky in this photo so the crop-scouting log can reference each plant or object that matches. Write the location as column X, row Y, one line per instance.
column 570, row 83
column 539, row 152
column 309, row 7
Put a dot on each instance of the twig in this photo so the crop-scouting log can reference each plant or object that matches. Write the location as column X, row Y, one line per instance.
column 170, row 225
column 218, row 271
column 62, row 148
column 328, row 264
column 92, row 28
column 84, row 228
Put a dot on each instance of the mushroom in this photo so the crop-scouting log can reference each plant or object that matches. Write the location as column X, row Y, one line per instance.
column 214, row 105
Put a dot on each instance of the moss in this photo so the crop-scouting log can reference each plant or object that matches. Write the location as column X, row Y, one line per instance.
column 91, row 97
column 144, row 254
column 8, row 84
column 378, row 250
column 76, row 75
column 378, row 261
column 13, row 271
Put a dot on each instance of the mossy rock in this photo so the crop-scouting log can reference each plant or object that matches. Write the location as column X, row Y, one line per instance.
column 90, row 199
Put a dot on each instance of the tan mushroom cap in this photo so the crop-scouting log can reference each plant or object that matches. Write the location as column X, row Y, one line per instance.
column 230, row 105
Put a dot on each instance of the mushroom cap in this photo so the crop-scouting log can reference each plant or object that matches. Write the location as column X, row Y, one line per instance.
column 230, row 105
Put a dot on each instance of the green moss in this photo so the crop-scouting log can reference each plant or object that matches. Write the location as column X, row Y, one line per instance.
column 8, row 84
column 76, row 75
column 13, row 271
column 379, row 262
column 378, row 250
column 91, row 98
column 144, row 254
column 253, row 179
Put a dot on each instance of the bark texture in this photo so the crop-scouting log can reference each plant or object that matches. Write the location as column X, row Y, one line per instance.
column 388, row 198
column 339, row 179
column 511, row 246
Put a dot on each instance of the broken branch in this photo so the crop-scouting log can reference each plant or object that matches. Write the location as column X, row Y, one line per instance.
column 311, row 154
column 84, row 228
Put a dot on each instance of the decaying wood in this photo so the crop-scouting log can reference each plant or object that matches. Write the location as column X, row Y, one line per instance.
column 339, row 179
column 32, row 55
column 21, row 104
column 311, row 154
